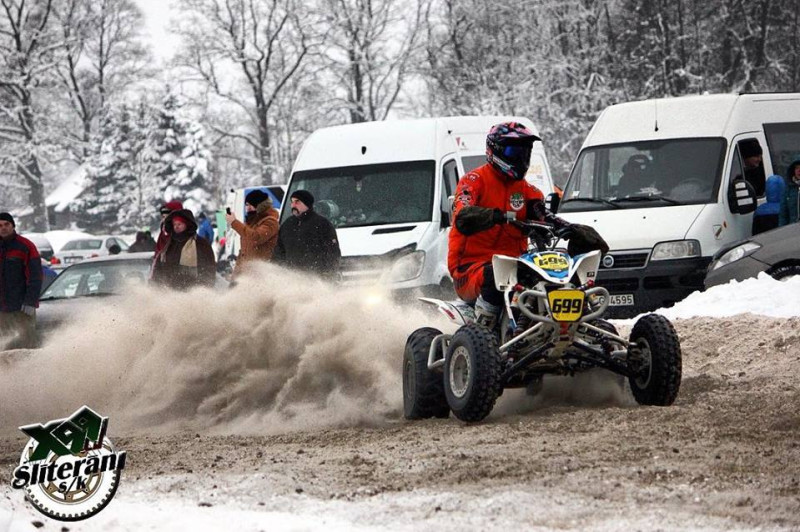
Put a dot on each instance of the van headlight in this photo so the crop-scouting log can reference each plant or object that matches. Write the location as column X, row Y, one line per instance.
column 737, row 253
column 677, row 249
column 407, row 267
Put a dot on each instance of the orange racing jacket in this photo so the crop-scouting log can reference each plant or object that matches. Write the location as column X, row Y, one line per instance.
column 470, row 241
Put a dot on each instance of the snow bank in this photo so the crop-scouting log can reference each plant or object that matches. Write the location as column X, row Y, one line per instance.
column 763, row 295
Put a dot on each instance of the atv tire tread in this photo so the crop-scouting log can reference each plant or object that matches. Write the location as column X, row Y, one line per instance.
column 665, row 360
column 486, row 373
column 430, row 399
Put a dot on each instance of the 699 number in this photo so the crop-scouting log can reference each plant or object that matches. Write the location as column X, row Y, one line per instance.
column 567, row 305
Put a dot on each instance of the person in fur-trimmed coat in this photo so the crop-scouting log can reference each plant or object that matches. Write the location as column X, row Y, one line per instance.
column 186, row 260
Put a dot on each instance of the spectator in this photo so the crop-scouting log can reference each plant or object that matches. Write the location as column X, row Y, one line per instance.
column 186, row 260
column 259, row 233
column 20, row 286
column 204, row 229
column 114, row 249
column 766, row 216
column 790, row 203
column 166, row 209
column 307, row 241
column 752, row 156
column 144, row 242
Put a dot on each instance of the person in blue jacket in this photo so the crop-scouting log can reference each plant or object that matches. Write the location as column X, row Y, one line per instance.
column 766, row 216
column 204, row 229
column 790, row 203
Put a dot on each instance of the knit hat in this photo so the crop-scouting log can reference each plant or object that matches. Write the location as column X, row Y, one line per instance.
column 6, row 217
column 170, row 206
column 181, row 219
column 256, row 197
column 750, row 148
column 305, row 196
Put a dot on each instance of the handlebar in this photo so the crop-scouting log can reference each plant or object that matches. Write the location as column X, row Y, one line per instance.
column 541, row 234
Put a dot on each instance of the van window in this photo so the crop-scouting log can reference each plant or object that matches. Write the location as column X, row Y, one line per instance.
column 645, row 174
column 450, row 175
column 377, row 194
column 736, row 166
column 783, row 141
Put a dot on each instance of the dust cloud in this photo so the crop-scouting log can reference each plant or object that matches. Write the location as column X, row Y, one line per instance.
column 279, row 352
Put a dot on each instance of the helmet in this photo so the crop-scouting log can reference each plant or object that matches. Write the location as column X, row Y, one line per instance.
column 508, row 148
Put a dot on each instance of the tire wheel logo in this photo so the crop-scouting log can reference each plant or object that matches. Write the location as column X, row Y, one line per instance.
column 72, row 501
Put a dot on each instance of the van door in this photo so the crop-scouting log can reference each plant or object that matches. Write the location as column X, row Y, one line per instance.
column 746, row 160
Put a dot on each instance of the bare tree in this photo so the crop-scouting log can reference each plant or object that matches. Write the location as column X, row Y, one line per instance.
column 27, row 46
column 372, row 48
column 255, row 45
column 103, row 53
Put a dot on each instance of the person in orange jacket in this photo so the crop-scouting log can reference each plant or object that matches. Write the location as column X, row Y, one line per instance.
column 486, row 199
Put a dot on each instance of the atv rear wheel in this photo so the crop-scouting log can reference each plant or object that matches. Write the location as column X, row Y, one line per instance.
column 472, row 371
column 658, row 362
column 423, row 390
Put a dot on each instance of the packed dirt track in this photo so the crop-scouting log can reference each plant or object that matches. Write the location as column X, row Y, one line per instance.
column 581, row 455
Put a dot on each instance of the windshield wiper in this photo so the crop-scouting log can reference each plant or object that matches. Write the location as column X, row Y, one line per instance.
column 52, row 298
column 654, row 197
column 593, row 200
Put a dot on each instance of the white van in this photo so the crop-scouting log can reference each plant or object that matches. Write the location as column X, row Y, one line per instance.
column 386, row 187
column 670, row 182
column 235, row 202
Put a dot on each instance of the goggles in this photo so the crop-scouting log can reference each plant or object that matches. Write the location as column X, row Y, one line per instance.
column 517, row 153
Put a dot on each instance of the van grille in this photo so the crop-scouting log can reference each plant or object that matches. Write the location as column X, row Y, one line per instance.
column 361, row 270
column 624, row 259
column 368, row 269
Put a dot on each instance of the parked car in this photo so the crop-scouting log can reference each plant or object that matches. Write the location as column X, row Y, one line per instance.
column 776, row 252
column 42, row 244
column 85, row 248
column 80, row 285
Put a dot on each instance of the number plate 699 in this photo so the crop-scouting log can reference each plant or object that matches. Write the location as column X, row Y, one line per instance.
column 566, row 305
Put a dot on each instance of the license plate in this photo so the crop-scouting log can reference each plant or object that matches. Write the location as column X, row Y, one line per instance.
column 566, row 305
column 71, row 259
column 620, row 300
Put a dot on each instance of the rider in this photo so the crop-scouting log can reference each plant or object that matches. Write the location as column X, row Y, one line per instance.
column 487, row 198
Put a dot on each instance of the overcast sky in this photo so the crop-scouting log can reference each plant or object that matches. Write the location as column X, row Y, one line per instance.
column 157, row 15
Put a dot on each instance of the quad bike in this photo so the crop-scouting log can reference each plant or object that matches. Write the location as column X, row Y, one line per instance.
column 551, row 325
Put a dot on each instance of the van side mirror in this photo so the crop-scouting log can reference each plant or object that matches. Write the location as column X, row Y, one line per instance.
column 741, row 197
column 447, row 211
column 552, row 202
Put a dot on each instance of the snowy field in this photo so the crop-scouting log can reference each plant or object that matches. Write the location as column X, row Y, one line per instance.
column 239, row 432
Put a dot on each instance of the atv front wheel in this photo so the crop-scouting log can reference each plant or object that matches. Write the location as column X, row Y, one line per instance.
column 423, row 390
column 656, row 361
column 472, row 371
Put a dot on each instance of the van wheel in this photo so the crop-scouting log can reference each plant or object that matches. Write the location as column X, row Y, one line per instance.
column 784, row 273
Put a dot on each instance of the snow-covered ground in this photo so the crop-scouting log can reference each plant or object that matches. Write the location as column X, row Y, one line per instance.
column 334, row 454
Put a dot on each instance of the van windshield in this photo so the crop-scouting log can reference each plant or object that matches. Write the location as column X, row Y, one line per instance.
column 376, row 194
column 645, row 174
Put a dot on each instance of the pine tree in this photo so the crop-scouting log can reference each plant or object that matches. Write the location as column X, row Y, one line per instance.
column 110, row 178
column 180, row 158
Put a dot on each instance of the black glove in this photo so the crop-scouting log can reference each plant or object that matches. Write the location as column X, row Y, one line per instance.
column 499, row 217
column 565, row 232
